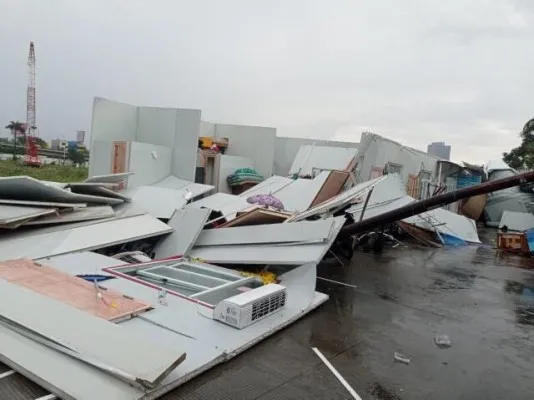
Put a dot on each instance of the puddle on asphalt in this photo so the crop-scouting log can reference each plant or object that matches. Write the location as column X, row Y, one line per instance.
column 524, row 304
column 503, row 259
column 380, row 393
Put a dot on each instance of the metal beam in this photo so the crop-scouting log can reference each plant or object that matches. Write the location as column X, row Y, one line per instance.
column 421, row 206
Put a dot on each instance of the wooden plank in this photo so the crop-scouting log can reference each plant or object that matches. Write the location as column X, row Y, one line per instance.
column 102, row 342
column 295, row 232
column 71, row 290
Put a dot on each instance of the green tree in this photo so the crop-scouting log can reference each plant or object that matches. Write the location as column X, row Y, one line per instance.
column 40, row 143
column 522, row 157
column 16, row 128
column 77, row 156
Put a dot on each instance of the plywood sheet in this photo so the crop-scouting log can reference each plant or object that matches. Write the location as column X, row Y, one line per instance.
column 331, row 187
column 105, row 342
column 118, row 158
column 69, row 289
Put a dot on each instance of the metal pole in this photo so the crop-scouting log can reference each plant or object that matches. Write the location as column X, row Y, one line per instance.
column 366, row 202
column 421, row 206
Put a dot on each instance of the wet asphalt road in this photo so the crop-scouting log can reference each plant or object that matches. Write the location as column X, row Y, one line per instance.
column 403, row 298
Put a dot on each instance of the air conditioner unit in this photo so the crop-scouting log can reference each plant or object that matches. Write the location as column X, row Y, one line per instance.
column 251, row 306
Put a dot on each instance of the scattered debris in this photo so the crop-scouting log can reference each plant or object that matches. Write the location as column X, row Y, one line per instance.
column 401, row 358
column 135, row 259
column 442, row 341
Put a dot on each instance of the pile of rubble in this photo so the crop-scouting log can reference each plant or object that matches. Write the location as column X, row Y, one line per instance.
column 190, row 279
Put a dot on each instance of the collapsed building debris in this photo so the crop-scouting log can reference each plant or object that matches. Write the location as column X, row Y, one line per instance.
column 185, row 267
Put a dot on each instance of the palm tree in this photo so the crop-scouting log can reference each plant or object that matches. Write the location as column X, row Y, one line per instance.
column 16, row 128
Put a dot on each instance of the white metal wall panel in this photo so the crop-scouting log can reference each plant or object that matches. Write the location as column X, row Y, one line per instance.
column 295, row 232
column 149, row 163
column 156, row 125
column 112, row 120
column 86, row 237
column 377, row 151
column 184, row 158
column 254, row 142
column 286, row 149
column 100, row 157
column 312, row 157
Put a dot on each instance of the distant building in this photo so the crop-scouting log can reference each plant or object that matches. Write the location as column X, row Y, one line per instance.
column 80, row 136
column 439, row 149
column 59, row 144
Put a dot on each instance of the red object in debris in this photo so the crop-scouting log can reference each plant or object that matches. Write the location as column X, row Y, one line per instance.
column 513, row 241
column 32, row 156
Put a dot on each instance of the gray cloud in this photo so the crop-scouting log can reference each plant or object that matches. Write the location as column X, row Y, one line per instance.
column 430, row 70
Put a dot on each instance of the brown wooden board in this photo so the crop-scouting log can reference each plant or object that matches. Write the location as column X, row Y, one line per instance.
column 331, row 187
column 71, row 290
column 257, row 216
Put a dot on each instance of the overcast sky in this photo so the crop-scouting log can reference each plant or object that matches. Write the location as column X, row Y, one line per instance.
column 460, row 71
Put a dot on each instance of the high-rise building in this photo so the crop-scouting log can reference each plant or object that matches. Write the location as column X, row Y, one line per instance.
column 80, row 136
column 439, row 149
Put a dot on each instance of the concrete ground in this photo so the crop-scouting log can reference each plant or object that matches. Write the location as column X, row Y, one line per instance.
column 393, row 302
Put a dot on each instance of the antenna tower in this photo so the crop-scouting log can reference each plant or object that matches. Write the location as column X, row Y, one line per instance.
column 31, row 156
